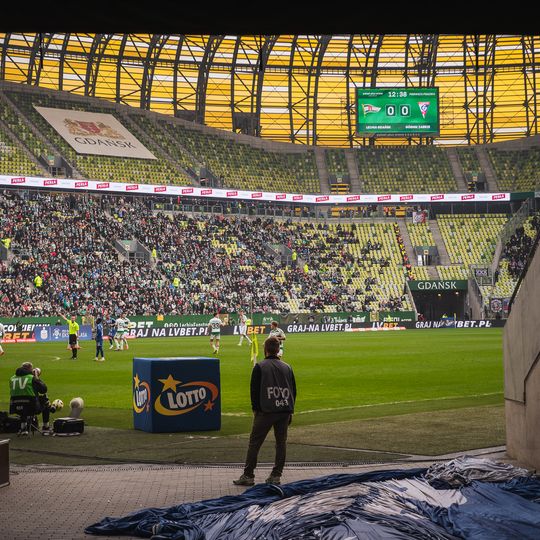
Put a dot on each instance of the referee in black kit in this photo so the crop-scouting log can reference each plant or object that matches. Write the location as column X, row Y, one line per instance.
column 273, row 395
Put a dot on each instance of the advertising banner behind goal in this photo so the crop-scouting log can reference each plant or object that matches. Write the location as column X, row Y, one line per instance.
column 95, row 133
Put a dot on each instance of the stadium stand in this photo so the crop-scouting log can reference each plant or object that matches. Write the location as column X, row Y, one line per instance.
column 13, row 161
column 158, row 171
column 470, row 239
column 516, row 170
column 420, row 234
column 469, row 160
column 220, row 262
column 336, row 163
column 405, row 169
column 15, row 133
column 242, row 166
column 513, row 259
column 453, row 272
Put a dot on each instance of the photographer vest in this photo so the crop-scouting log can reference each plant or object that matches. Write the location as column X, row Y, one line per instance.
column 277, row 390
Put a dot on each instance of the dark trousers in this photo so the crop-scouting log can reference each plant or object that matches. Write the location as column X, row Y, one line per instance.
column 262, row 423
column 72, row 344
column 99, row 349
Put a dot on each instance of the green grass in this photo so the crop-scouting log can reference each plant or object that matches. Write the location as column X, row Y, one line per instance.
column 349, row 385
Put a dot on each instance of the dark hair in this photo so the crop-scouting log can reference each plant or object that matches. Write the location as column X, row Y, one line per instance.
column 98, row 320
column 271, row 346
column 215, row 314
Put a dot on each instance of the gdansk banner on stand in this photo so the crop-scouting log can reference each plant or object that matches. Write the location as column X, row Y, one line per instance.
column 95, row 133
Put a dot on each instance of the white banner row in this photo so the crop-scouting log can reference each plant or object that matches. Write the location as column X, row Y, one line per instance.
column 233, row 194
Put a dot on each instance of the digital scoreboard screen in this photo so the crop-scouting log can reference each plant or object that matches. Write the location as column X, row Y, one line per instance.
column 397, row 111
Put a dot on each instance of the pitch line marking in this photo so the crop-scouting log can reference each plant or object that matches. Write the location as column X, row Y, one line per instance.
column 241, row 414
column 397, row 403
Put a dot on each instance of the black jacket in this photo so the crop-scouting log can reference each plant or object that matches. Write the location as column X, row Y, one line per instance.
column 273, row 386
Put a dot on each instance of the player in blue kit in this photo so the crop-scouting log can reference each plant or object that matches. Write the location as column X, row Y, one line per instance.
column 111, row 324
column 99, row 340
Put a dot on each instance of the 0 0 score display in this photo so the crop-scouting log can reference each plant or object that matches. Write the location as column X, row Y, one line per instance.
column 397, row 111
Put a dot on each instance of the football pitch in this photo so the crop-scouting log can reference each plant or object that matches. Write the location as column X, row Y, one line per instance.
column 360, row 396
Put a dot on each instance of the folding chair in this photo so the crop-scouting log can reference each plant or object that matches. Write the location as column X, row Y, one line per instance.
column 27, row 407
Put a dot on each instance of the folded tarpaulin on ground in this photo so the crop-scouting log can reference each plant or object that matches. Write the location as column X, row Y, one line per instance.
column 395, row 504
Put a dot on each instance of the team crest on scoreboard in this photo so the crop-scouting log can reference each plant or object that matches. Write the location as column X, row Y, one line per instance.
column 178, row 398
column 424, row 106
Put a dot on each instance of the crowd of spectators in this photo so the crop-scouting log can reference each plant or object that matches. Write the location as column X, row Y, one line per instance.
column 518, row 248
column 64, row 257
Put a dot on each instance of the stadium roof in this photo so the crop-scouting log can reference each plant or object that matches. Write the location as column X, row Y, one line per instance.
column 295, row 87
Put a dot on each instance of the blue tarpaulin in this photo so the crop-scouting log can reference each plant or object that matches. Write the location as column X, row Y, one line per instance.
column 445, row 503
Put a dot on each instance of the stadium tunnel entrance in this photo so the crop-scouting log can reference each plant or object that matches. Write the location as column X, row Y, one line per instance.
column 439, row 299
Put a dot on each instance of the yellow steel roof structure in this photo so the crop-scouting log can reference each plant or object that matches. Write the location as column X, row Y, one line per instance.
column 291, row 88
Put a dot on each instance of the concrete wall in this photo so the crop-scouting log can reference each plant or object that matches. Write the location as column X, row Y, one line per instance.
column 522, row 371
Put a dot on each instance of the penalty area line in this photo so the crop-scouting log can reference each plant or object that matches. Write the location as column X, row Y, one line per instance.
column 368, row 405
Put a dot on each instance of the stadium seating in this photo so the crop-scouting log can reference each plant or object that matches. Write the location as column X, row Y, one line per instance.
column 25, row 136
column 470, row 239
column 336, row 163
column 420, row 234
column 243, row 166
column 469, row 160
column 456, row 271
column 406, row 169
column 95, row 167
column 13, row 161
column 516, row 170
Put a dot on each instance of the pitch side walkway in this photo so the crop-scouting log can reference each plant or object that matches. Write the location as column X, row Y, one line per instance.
column 47, row 502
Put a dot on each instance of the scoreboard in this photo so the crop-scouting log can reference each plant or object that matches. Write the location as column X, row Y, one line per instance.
column 397, row 111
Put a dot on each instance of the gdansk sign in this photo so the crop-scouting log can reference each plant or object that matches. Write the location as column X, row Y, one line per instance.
column 439, row 285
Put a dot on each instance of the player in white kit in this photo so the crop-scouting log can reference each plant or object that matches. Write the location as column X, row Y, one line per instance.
column 242, row 328
column 214, row 326
column 2, row 331
column 122, row 325
column 277, row 332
